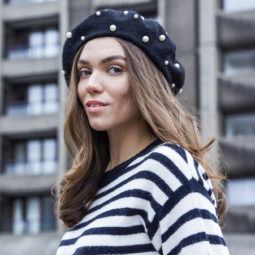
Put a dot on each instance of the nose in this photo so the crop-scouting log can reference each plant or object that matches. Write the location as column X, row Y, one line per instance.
column 94, row 83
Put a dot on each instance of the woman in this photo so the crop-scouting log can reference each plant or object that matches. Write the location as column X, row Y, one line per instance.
column 139, row 182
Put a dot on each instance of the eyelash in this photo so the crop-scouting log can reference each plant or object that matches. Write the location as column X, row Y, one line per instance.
column 80, row 71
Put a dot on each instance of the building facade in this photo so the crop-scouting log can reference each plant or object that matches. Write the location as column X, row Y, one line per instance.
column 216, row 44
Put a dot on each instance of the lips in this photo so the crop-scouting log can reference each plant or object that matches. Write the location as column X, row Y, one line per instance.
column 95, row 103
column 95, row 106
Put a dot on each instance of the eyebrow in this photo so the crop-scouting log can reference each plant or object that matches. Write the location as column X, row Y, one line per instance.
column 103, row 61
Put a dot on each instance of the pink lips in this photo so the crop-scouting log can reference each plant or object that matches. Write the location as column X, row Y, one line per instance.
column 95, row 105
column 95, row 102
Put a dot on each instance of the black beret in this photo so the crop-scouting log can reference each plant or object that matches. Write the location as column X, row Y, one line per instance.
column 129, row 25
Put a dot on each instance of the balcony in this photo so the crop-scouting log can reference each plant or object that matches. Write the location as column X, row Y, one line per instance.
column 28, row 124
column 29, row 67
column 100, row 3
column 34, row 167
column 238, row 152
column 236, row 92
column 23, row 184
column 30, row 10
column 46, row 242
column 240, row 219
column 240, row 243
column 236, row 29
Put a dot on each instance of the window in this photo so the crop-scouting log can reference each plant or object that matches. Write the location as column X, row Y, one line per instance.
column 32, row 43
column 238, row 5
column 35, row 156
column 28, row 215
column 240, row 125
column 241, row 192
column 239, row 61
column 32, row 99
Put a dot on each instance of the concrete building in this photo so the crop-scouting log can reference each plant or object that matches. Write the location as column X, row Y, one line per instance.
column 216, row 45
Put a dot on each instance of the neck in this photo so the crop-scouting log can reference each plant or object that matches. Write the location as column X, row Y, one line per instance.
column 127, row 142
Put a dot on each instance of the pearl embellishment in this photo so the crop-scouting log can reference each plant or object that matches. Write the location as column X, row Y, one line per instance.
column 145, row 38
column 69, row 35
column 166, row 62
column 177, row 65
column 98, row 13
column 162, row 38
column 113, row 28
column 83, row 38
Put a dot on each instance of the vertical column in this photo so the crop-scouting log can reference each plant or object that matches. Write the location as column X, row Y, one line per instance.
column 1, row 56
column 1, row 89
column 162, row 11
column 181, row 25
column 208, row 63
column 62, row 154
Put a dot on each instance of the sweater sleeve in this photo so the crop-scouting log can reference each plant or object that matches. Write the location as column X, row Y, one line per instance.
column 186, row 223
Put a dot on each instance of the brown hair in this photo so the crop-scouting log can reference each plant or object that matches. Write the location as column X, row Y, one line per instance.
column 90, row 149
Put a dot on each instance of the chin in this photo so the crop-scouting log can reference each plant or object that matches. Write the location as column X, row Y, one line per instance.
column 99, row 127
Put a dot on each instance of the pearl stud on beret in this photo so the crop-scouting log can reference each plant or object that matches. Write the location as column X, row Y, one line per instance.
column 147, row 34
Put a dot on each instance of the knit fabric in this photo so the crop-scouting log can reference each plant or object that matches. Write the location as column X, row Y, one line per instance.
column 160, row 201
column 145, row 33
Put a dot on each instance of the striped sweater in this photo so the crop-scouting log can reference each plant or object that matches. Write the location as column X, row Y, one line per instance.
column 159, row 201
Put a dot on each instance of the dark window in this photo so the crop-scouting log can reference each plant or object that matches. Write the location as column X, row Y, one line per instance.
column 32, row 42
column 34, row 156
column 240, row 125
column 239, row 61
column 28, row 215
column 31, row 99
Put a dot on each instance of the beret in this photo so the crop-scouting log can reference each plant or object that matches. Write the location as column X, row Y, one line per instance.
column 147, row 34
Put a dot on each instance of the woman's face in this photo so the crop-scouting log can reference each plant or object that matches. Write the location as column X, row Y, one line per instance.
column 104, row 88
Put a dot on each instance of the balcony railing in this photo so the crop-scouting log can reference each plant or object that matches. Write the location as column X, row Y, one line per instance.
column 23, row 51
column 31, row 226
column 23, row 107
column 236, row 92
column 23, row 2
column 238, row 153
column 236, row 29
column 48, row 166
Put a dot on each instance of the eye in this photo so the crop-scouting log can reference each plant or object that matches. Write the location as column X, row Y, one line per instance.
column 83, row 73
column 115, row 69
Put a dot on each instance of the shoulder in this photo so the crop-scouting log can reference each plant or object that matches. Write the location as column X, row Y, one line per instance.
column 176, row 158
column 178, row 167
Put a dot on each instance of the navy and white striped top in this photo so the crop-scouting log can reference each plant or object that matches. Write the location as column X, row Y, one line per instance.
column 160, row 201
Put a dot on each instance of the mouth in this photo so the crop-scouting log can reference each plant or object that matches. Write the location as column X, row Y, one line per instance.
column 95, row 108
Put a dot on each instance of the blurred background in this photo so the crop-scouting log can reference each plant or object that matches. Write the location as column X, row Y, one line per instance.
column 216, row 44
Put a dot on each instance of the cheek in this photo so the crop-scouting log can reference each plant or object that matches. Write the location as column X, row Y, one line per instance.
column 80, row 93
column 125, row 105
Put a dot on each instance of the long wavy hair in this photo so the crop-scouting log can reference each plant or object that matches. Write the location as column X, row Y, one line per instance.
column 89, row 149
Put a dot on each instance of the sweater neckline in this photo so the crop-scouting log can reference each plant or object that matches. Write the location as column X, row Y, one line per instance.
column 139, row 154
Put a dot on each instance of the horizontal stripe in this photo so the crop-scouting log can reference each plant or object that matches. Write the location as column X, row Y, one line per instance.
column 196, row 238
column 114, row 250
column 106, row 230
column 160, row 201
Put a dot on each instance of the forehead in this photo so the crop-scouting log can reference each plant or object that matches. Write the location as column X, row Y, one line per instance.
column 101, row 47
